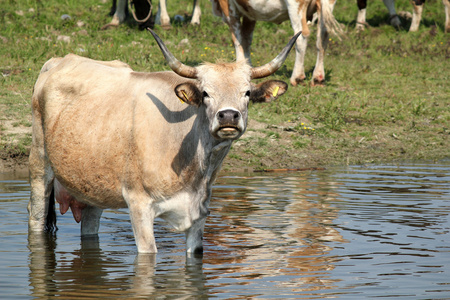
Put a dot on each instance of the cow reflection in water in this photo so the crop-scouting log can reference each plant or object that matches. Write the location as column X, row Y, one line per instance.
column 90, row 272
column 264, row 228
column 288, row 229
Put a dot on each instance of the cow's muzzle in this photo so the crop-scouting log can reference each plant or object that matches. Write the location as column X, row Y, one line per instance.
column 230, row 124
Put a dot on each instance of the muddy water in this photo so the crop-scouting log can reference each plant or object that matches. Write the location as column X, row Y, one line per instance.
column 348, row 233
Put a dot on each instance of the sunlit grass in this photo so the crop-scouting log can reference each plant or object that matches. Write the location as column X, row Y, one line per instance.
column 377, row 79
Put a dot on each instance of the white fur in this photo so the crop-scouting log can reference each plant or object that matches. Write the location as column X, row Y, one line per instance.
column 278, row 11
column 163, row 19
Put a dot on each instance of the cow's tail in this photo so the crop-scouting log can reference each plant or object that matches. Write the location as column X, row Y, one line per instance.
column 328, row 20
column 50, row 220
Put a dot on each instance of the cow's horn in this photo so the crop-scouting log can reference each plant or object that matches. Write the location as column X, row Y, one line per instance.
column 175, row 64
column 275, row 64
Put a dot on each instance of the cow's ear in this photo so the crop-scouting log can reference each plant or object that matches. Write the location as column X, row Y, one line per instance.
column 189, row 94
column 268, row 91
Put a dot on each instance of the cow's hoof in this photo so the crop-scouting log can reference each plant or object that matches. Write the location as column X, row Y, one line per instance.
column 298, row 81
column 360, row 26
column 166, row 27
column 395, row 21
column 317, row 82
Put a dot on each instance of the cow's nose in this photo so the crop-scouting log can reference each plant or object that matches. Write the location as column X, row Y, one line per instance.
column 228, row 117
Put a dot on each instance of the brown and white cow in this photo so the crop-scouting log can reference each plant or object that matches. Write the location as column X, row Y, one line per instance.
column 394, row 19
column 105, row 136
column 278, row 11
column 143, row 13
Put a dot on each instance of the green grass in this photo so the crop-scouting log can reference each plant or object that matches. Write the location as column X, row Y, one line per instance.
column 380, row 82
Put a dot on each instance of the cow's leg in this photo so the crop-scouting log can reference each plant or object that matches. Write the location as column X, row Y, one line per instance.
column 326, row 17
column 361, row 18
column 162, row 17
column 90, row 220
column 417, row 14
column 236, row 35
column 39, row 208
column 119, row 15
column 196, row 13
column 231, row 17
column 393, row 18
column 447, row 15
column 298, row 73
column 297, row 16
column 41, row 181
column 142, row 216
column 247, row 36
column 194, row 237
column 318, row 77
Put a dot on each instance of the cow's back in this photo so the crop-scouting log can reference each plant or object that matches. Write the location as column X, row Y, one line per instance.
column 93, row 113
column 275, row 11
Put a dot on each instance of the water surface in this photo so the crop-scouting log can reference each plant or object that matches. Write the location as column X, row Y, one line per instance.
column 350, row 233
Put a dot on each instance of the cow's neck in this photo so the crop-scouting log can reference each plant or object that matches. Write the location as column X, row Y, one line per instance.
column 214, row 152
column 218, row 154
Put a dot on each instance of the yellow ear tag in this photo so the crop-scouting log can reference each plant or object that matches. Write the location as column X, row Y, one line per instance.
column 185, row 96
column 275, row 91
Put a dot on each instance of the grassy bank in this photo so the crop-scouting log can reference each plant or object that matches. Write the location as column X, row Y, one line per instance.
column 387, row 95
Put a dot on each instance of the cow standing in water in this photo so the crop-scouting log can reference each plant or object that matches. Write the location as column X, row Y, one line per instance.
column 278, row 11
column 105, row 136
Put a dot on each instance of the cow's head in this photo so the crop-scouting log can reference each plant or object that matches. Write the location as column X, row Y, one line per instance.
column 225, row 89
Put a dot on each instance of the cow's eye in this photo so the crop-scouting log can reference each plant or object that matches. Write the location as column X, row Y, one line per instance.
column 247, row 94
column 205, row 94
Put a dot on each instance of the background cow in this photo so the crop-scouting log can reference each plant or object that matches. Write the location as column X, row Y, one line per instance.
column 105, row 136
column 417, row 14
column 394, row 19
column 361, row 23
column 143, row 12
column 278, row 11
column 162, row 17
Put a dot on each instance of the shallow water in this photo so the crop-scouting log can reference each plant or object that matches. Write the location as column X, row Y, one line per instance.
column 349, row 233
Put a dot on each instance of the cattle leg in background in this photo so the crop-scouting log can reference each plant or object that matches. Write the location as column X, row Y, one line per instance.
column 361, row 23
column 142, row 13
column 417, row 15
column 277, row 11
column 119, row 14
column 163, row 19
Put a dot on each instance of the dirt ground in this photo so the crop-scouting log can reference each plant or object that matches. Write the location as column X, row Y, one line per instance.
column 342, row 149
